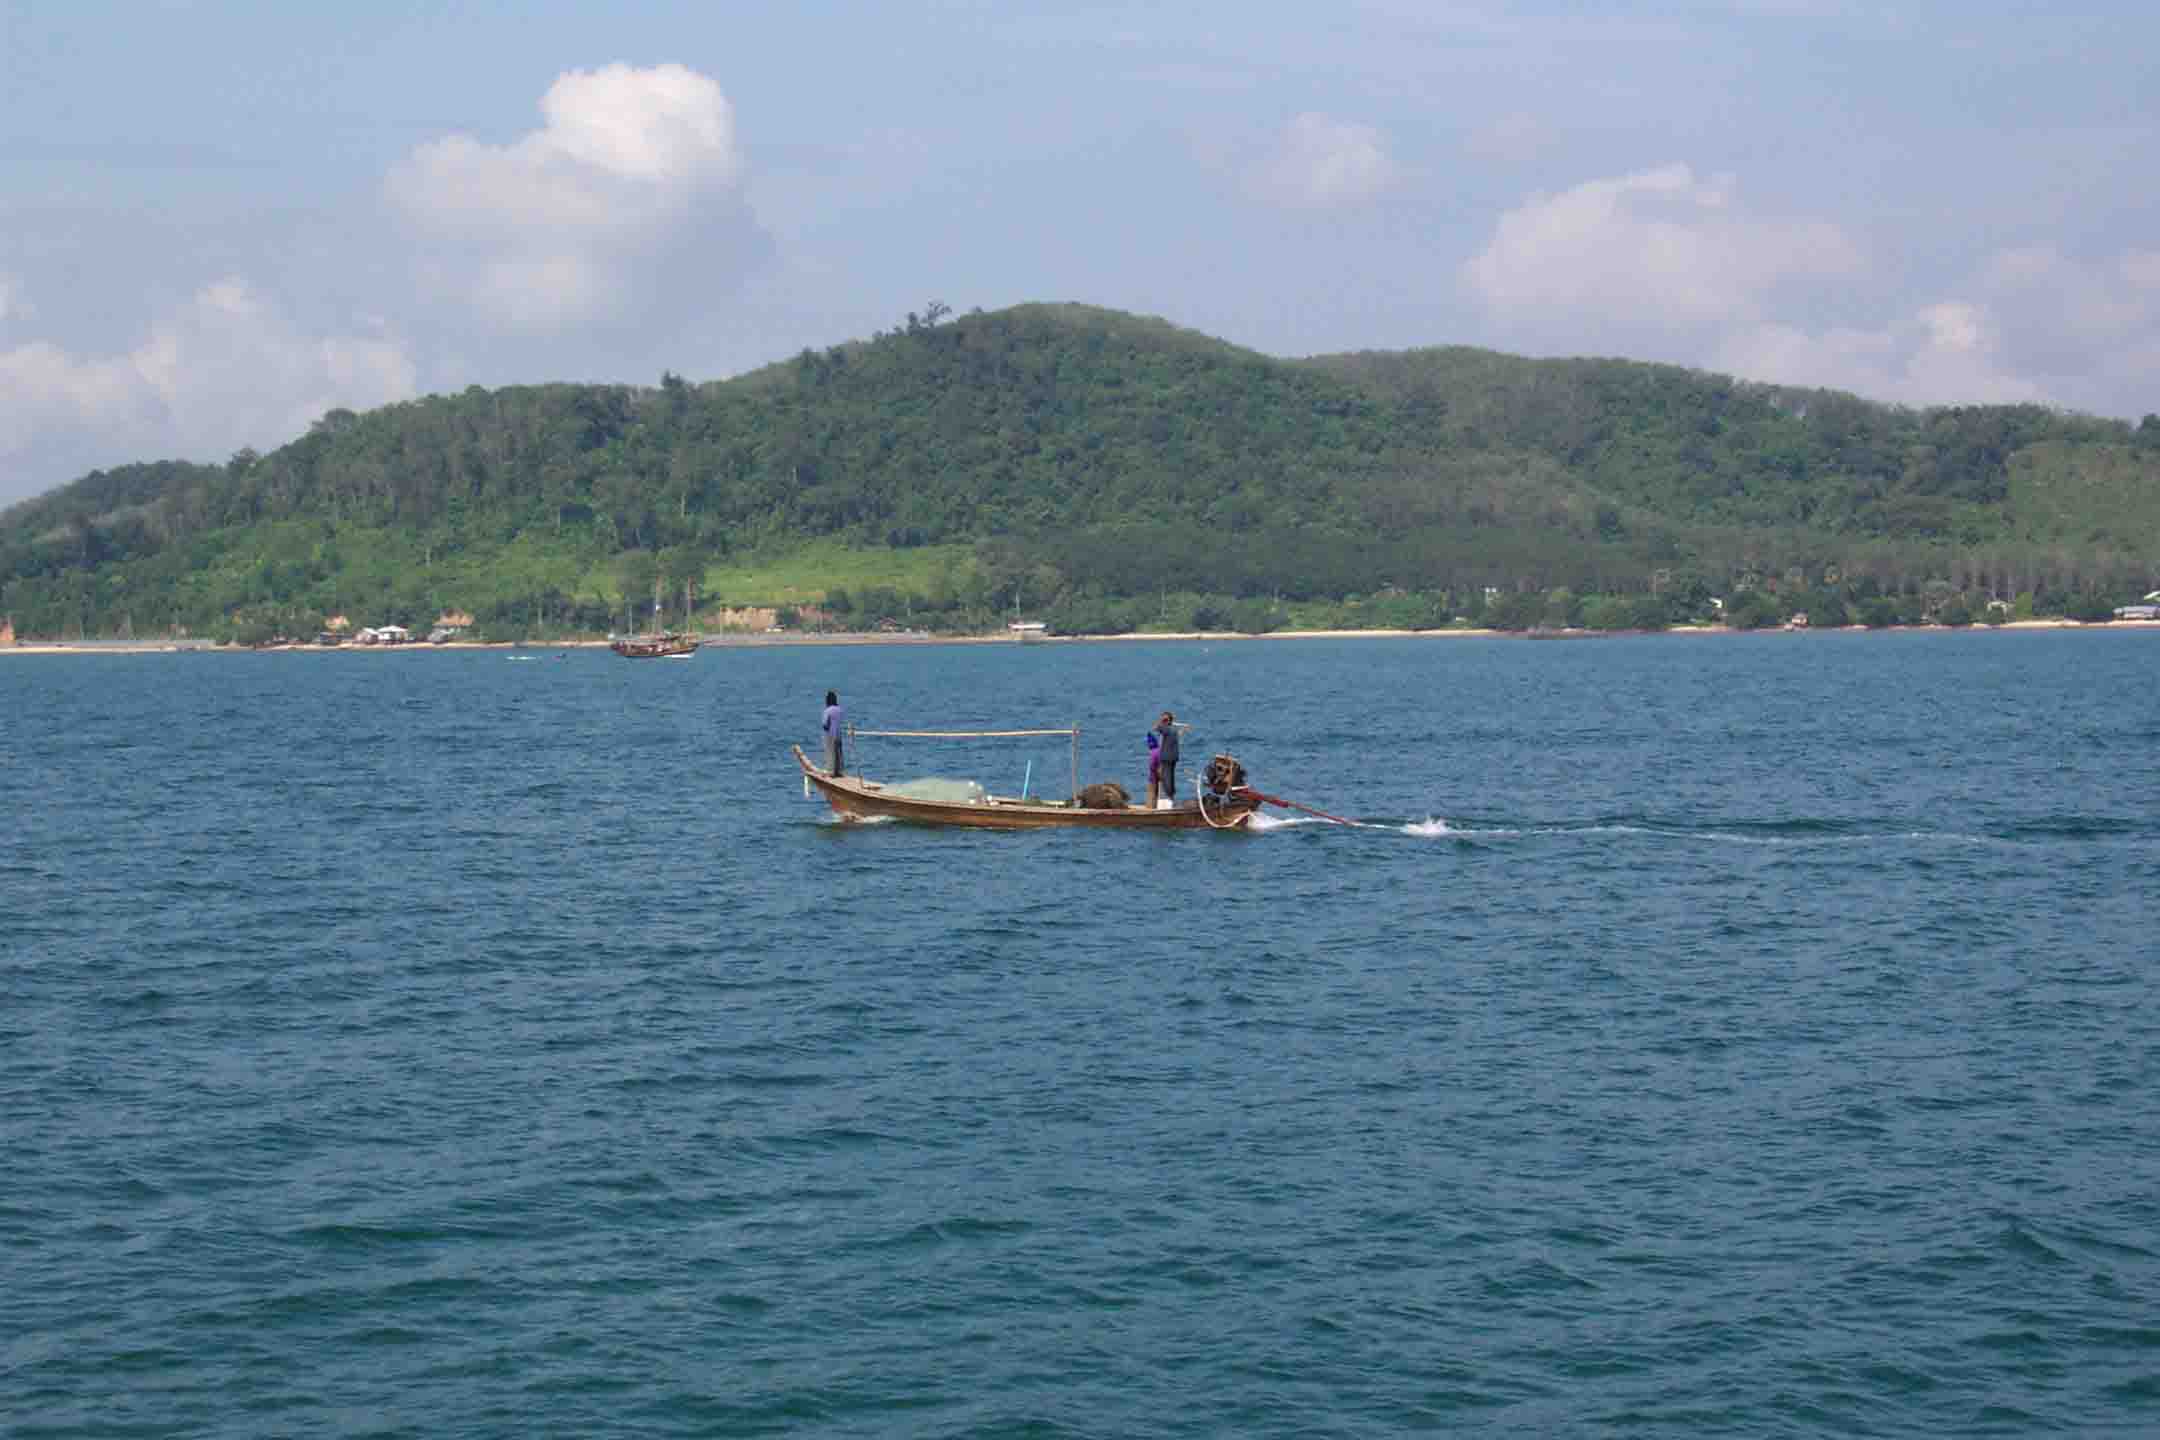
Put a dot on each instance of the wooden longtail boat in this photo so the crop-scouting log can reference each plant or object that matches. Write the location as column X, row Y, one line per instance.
column 666, row 645
column 854, row 798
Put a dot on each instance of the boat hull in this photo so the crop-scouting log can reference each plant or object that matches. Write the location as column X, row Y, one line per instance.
column 853, row 798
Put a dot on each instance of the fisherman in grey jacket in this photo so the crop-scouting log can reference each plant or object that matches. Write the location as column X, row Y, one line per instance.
column 1166, row 755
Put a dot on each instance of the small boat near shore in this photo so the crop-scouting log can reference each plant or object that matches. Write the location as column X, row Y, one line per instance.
column 663, row 645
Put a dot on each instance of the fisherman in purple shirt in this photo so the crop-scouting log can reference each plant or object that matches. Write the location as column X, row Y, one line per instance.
column 835, row 727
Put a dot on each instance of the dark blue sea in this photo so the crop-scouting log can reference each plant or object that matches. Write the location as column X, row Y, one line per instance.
column 1743, row 1037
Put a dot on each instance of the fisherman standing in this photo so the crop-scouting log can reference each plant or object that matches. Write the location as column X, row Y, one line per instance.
column 1166, row 755
column 835, row 726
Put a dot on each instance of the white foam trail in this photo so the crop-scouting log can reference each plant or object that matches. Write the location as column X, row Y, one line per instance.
column 1266, row 823
column 1437, row 827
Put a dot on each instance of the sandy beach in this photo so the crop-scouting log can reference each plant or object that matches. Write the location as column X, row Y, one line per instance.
column 921, row 637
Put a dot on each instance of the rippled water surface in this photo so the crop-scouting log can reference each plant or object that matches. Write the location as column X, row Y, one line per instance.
column 1750, row 1036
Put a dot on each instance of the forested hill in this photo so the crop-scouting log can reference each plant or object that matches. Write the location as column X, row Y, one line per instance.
column 1071, row 457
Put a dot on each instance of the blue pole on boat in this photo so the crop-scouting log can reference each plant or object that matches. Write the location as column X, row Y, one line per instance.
column 1027, row 778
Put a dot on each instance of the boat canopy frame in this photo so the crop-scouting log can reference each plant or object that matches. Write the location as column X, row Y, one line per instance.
column 1071, row 730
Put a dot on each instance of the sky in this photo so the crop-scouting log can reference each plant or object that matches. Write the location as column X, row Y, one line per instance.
column 221, row 218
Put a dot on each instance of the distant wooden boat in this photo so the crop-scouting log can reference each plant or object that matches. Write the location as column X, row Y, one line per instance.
column 665, row 645
column 854, row 798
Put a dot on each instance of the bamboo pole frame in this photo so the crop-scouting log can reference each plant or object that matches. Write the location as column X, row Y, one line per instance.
column 962, row 734
column 1072, row 730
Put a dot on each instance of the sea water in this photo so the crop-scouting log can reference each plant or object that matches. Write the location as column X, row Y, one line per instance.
column 1748, row 1036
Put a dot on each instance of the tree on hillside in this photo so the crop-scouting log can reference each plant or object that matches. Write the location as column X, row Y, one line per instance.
column 681, row 569
column 638, row 573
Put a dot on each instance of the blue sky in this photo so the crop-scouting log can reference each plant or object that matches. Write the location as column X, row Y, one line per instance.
column 218, row 220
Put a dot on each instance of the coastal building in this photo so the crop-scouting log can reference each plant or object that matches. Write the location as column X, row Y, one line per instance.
column 7, row 631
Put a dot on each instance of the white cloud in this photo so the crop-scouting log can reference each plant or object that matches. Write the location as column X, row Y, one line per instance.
column 1959, row 359
column 668, row 123
column 2091, row 327
column 615, row 137
column 608, row 242
column 1665, row 264
column 2043, row 327
column 42, row 387
column 1653, row 253
column 571, row 224
column 1668, row 265
column 1320, row 162
column 2061, row 304
column 1947, row 353
column 223, row 370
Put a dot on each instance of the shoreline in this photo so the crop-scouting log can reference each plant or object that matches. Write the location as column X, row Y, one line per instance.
column 750, row 641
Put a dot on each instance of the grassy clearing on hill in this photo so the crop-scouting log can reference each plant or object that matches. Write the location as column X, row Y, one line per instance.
column 807, row 575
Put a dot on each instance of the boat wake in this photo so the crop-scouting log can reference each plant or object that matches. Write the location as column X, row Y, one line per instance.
column 1791, row 834
column 1779, row 834
column 1430, row 828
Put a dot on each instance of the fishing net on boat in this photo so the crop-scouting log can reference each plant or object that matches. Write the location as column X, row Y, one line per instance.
column 942, row 791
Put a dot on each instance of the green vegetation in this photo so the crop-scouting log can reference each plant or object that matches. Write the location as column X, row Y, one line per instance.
column 1107, row 472
column 807, row 574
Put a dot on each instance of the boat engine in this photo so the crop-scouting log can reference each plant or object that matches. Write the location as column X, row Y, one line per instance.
column 1222, row 775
